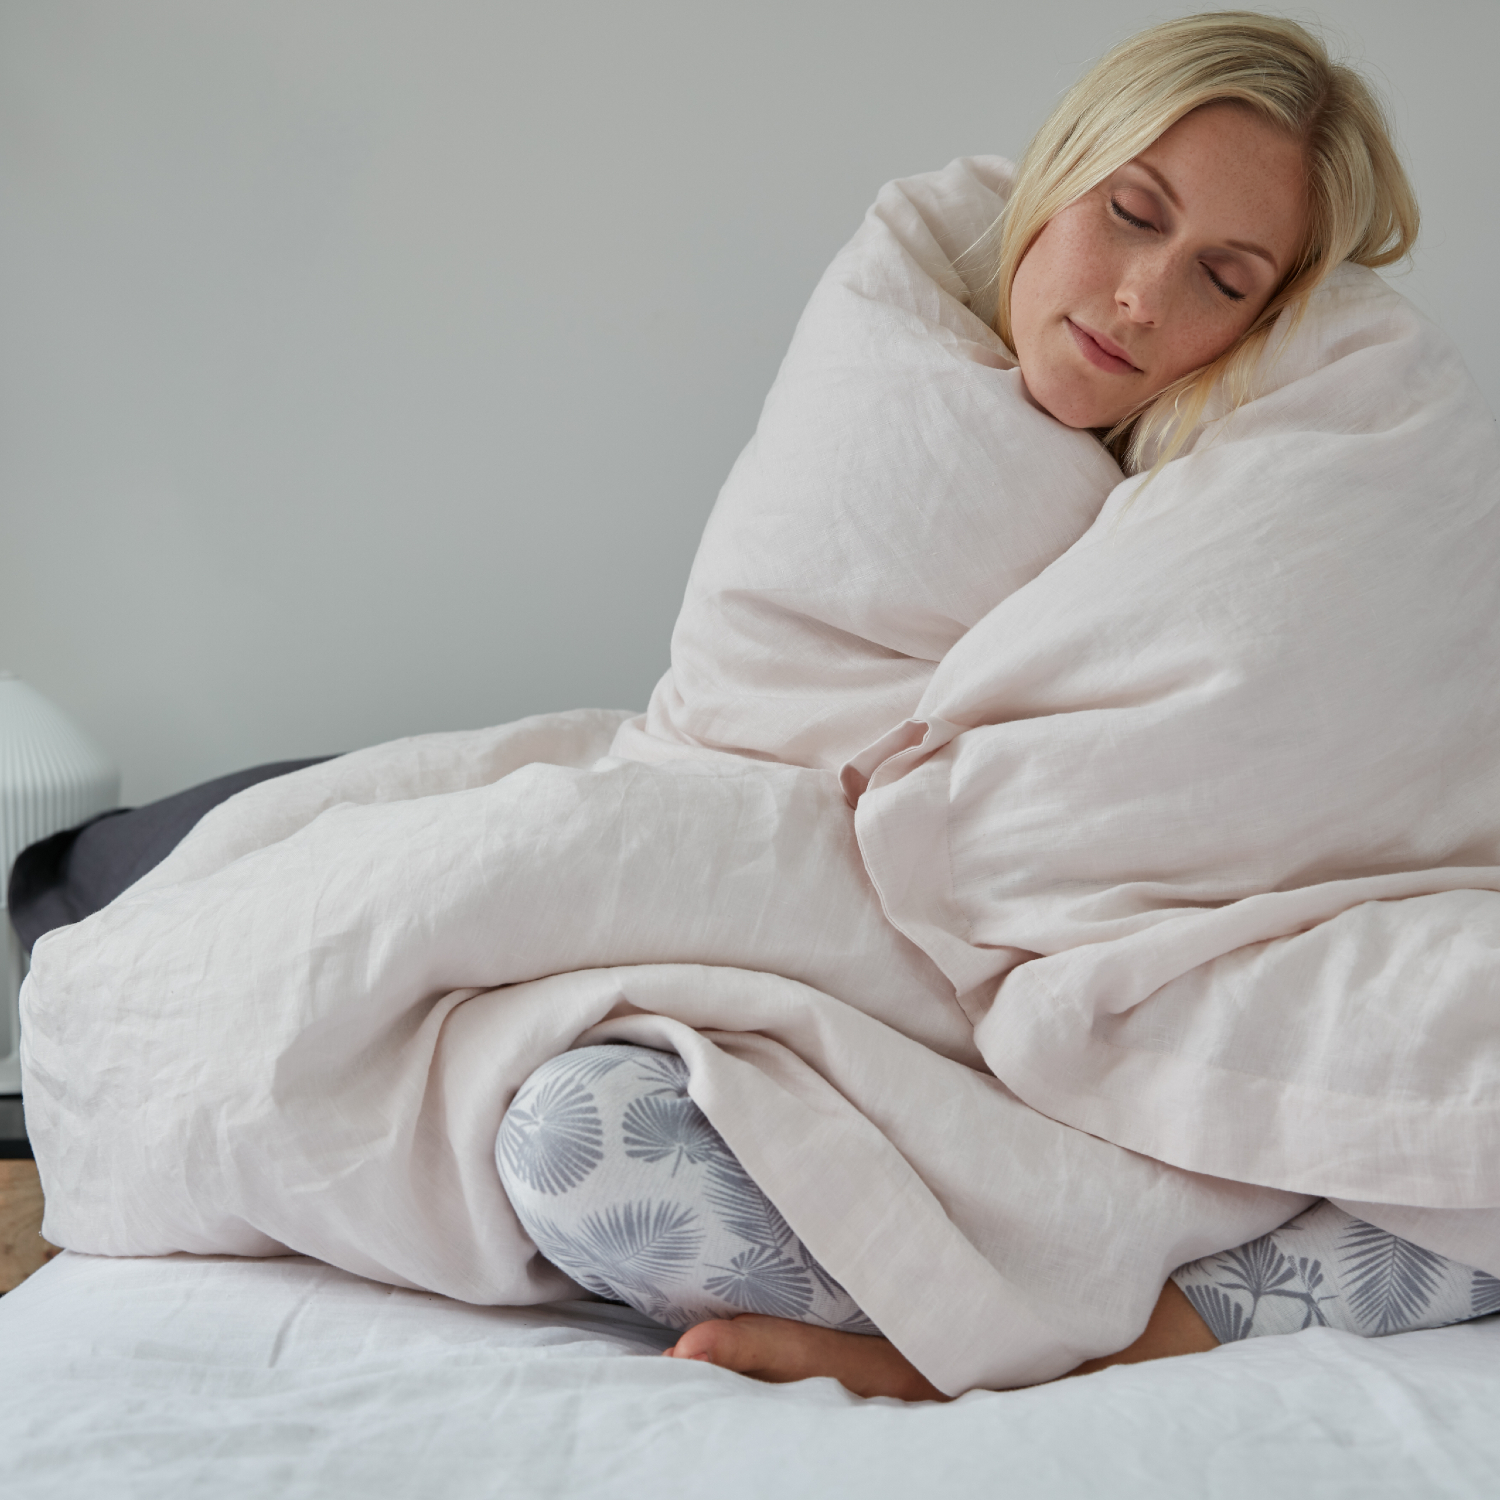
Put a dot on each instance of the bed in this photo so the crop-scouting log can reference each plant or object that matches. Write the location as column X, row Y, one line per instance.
column 778, row 894
column 191, row 1376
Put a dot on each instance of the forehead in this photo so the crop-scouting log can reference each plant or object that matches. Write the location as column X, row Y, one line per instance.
column 1231, row 172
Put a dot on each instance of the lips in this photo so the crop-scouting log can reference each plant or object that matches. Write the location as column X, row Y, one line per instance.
column 1101, row 352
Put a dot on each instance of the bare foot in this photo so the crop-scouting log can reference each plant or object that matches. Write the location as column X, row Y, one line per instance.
column 779, row 1350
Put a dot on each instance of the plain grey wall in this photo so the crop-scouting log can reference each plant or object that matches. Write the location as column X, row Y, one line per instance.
column 370, row 367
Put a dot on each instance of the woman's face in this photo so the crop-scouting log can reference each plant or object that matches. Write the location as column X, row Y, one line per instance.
column 1160, row 268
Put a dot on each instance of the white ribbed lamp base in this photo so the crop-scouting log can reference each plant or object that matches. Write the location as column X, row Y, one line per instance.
column 52, row 777
column 12, row 971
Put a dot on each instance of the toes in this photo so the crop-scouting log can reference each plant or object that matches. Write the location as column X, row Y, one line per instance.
column 713, row 1342
column 779, row 1350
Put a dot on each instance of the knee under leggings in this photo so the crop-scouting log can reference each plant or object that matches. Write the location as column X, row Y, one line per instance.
column 623, row 1184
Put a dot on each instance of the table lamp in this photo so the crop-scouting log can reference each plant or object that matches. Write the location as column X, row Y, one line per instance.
column 52, row 776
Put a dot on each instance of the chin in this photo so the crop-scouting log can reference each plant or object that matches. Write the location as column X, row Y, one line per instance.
column 1073, row 411
column 1068, row 401
column 1084, row 420
column 1064, row 401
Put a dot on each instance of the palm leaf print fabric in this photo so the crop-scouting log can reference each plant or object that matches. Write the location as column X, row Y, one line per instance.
column 623, row 1184
column 556, row 1139
column 1327, row 1269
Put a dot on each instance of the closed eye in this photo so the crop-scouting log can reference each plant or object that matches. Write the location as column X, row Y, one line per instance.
column 1129, row 218
column 1228, row 291
column 1135, row 222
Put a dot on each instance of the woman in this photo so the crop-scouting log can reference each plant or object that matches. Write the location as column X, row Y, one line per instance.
column 1199, row 183
column 1041, row 879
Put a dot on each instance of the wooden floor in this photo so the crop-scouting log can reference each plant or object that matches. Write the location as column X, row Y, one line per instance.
column 22, row 1248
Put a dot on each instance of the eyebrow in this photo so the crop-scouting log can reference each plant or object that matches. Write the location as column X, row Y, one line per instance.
column 1249, row 249
column 1162, row 182
column 1176, row 203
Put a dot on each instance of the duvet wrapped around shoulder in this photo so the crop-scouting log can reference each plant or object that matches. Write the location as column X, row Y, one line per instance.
column 1048, row 876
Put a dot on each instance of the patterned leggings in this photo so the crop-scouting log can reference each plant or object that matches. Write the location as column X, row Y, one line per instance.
column 623, row 1184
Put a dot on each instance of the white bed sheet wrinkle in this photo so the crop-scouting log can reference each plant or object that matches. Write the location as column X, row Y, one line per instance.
column 1166, row 766
column 154, row 1380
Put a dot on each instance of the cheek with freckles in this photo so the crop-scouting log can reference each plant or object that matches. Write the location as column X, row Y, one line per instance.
column 1067, row 272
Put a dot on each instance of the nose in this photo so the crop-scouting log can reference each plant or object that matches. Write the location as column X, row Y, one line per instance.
column 1143, row 290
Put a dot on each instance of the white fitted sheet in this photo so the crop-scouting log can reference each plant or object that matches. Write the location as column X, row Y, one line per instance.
column 187, row 1376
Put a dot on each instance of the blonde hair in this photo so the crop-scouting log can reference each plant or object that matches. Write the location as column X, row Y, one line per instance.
column 1361, row 206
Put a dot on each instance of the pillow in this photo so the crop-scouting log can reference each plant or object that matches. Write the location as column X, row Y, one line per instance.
column 72, row 874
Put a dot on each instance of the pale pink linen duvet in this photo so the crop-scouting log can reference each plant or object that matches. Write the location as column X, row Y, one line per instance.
column 1012, row 846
